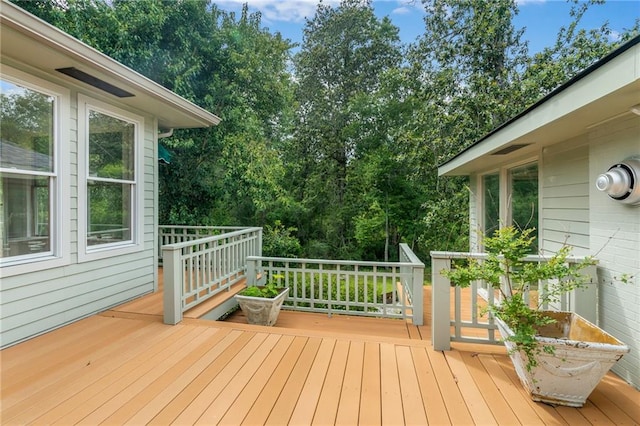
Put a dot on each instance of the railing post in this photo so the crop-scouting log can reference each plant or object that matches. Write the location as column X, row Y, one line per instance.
column 440, row 304
column 418, row 296
column 173, row 274
column 259, row 248
column 252, row 271
column 583, row 300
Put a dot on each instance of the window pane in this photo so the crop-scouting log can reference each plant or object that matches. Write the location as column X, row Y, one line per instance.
column 25, row 215
column 524, row 197
column 111, row 147
column 26, row 128
column 109, row 212
column 491, row 185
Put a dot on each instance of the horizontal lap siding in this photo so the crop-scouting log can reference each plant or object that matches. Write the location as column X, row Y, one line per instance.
column 565, row 198
column 474, row 228
column 615, row 237
column 33, row 303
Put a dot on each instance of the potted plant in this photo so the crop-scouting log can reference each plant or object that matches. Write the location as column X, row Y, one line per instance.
column 559, row 356
column 261, row 304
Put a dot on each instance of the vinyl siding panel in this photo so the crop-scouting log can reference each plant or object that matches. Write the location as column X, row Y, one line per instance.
column 474, row 228
column 36, row 302
column 565, row 197
column 615, row 237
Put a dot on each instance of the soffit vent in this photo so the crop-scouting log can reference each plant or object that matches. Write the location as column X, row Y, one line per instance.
column 95, row 82
column 509, row 149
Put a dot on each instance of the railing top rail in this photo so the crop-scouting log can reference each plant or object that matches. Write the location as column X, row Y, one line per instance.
column 204, row 240
column 201, row 227
column 404, row 247
column 331, row 262
column 528, row 258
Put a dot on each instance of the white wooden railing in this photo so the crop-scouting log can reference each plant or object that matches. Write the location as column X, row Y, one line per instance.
column 375, row 289
column 455, row 311
column 197, row 269
column 172, row 234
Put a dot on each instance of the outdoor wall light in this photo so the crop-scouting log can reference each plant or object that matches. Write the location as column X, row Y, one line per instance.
column 622, row 182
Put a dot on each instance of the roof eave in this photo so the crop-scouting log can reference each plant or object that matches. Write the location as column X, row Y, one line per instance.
column 544, row 114
column 105, row 67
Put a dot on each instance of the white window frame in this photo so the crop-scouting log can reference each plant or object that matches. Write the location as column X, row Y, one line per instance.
column 86, row 252
column 505, row 189
column 59, row 207
column 481, row 206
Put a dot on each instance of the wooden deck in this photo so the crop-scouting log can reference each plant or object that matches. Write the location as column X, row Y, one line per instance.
column 126, row 367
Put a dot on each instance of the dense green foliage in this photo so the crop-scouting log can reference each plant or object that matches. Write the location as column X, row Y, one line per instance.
column 335, row 148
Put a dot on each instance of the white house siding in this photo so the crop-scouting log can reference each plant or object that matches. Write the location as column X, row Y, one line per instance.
column 564, row 206
column 615, row 237
column 36, row 302
column 474, row 225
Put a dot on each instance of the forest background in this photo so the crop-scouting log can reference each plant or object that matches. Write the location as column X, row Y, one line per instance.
column 333, row 148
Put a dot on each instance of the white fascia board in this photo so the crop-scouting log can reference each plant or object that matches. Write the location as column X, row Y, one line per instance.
column 622, row 72
column 56, row 39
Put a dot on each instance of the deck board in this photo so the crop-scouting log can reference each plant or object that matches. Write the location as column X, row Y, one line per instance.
column 545, row 413
column 370, row 401
column 308, row 399
column 261, row 408
column 327, row 408
column 125, row 367
column 499, row 407
column 243, row 403
column 434, row 407
column 231, row 345
column 174, row 378
column 449, row 390
column 285, row 403
column 413, row 407
column 349, row 404
column 471, row 393
column 392, row 411
column 510, row 391
column 195, row 412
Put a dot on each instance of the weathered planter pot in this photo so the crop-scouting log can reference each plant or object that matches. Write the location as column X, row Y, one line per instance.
column 262, row 310
column 583, row 354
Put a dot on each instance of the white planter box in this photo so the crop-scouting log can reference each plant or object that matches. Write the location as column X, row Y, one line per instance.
column 583, row 354
column 261, row 310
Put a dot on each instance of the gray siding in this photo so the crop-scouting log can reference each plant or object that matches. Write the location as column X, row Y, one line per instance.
column 565, row 197
column 615, row 238
column 36, row 302
column 474, row 224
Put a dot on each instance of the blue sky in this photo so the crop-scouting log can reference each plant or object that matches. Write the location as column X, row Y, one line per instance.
column 542, row 18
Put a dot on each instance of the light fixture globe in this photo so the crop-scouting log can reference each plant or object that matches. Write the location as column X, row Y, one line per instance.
column 622, row 182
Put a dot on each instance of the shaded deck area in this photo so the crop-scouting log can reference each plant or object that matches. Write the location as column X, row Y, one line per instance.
column 125, row 366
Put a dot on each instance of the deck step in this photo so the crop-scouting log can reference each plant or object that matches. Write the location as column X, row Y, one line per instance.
column 218, row 305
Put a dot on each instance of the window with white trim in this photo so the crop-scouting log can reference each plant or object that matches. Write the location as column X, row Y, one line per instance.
column 491, row 203
column 29, row 169
column 111, row 190
column 510, row 197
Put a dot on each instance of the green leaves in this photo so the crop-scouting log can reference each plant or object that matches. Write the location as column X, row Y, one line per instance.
column 342, row 120
column 343, row 140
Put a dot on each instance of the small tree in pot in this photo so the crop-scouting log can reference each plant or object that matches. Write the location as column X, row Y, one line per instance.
column 538, row 341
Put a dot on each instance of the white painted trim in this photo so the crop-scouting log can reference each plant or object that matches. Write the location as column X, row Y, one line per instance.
column 505, row 185
column 89, row 253
column 64, row 44
column 60, row 199
column 156, row 208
